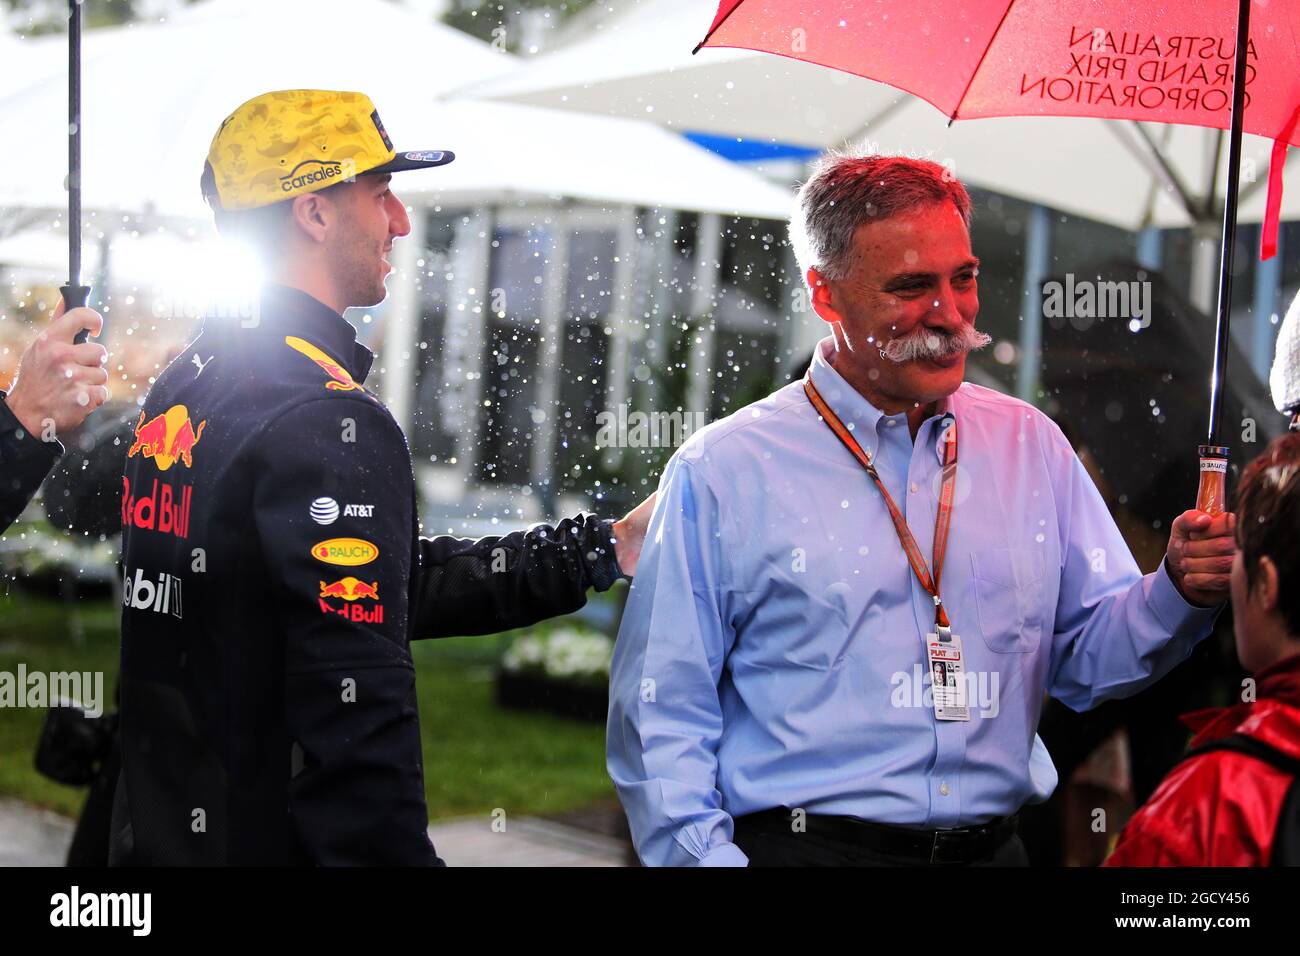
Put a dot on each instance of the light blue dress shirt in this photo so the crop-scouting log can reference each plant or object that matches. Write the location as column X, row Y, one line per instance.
column 772, row 649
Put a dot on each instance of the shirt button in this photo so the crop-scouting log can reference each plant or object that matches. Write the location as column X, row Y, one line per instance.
column 890, row 422
column 914, row 487
column 943, row 789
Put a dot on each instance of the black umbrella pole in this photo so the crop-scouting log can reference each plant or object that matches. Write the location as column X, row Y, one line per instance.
column 1212, row 494
column 74, row 293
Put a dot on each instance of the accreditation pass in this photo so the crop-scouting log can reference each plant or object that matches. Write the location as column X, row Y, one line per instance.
column 946, row 675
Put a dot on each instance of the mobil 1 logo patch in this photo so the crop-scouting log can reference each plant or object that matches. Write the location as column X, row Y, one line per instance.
column 327, row 511
column 142, row 594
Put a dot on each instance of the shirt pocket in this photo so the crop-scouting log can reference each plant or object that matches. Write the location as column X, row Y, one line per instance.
column 1008, row 584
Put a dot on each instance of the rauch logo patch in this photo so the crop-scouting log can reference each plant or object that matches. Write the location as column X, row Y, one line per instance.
column 345, row 551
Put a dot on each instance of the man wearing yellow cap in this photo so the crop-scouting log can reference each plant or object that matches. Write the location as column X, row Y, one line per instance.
column 273, row 568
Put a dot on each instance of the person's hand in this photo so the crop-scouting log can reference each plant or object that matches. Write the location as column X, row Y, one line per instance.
column 1200, row 555
column 629, row 534
column 57, row 381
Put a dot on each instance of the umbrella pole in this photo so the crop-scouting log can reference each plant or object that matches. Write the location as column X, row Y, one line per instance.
column 74, row 293
column 1211, row 497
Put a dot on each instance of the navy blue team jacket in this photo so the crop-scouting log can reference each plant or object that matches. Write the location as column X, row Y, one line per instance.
column 273, row 577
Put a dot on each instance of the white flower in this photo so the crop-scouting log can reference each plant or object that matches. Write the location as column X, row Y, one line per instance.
column 526, row 653
column 564, row 653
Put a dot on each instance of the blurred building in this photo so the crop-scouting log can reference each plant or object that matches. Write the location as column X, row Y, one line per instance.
column 530, row 324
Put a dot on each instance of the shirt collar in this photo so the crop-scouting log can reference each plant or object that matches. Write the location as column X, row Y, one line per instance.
column 863, row 418
column 289, row 311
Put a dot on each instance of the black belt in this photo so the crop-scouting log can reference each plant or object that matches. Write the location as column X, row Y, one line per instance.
column 957, row 845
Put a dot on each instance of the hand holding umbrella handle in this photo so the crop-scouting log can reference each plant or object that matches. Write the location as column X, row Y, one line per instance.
column 1212, row 495
column 74, row 297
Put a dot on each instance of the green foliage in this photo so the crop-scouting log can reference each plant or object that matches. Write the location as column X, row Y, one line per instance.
column 37, row 633
column 477, row 757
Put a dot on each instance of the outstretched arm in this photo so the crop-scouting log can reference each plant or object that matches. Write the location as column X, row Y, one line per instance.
column 487, row 585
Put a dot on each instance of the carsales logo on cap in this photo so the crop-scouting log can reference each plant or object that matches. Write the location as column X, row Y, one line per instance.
column 317, row 170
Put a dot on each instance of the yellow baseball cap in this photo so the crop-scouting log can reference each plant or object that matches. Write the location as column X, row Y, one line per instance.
column 292, row 142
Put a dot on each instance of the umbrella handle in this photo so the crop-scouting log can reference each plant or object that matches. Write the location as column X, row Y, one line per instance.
column 74, row 297
column 1212, row 495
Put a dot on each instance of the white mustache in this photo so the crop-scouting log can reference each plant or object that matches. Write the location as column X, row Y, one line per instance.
column 927, row 343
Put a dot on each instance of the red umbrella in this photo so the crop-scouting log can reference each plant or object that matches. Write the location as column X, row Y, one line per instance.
column 1191, row 62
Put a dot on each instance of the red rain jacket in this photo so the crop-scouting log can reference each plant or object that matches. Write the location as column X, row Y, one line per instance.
column 1222, row 808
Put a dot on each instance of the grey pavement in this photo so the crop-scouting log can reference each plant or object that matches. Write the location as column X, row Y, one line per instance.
column 33, row 837
column 526, row 841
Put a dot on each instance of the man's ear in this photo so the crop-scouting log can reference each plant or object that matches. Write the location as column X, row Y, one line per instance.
column 1266, row 584
column 313, row 214
column 819, row 292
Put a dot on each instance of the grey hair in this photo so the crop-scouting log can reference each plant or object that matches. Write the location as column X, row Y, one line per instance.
column 847, row 190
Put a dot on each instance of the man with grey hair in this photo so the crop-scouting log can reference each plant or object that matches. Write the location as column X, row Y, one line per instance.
column 813, row 557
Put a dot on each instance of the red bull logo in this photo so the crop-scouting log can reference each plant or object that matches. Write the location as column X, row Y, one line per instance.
column 340, row 380
column 355, row 613
column 350, row 589
column 164, row 508
column 167, row 438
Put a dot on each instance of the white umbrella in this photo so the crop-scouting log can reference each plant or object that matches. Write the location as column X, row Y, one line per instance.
column 155, row 94
column 505, row 151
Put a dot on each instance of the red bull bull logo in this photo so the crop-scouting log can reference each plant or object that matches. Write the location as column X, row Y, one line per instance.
column 167, row 438
column 350, row 589
column 340, row 380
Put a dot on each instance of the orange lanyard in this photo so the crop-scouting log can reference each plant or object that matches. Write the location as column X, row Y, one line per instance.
column 942, row 520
